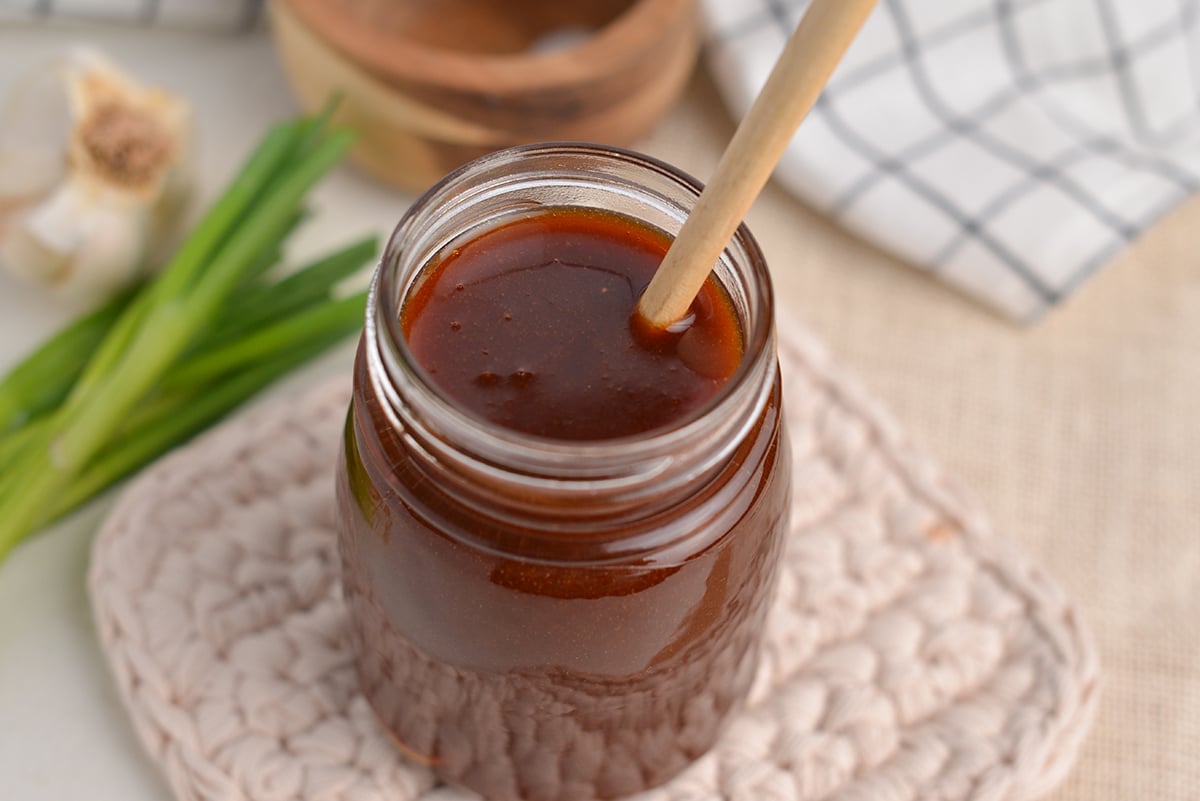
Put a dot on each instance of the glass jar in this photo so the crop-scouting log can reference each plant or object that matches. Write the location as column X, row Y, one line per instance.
column 551, row 620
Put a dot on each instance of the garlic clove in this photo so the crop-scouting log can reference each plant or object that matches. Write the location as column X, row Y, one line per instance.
column 78, row 245
column 31, row 258
column 123, row 177
column 42, row 240
column 116, row 248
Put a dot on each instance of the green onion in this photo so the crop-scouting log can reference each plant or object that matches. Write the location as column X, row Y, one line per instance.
column 329, row 322
column 42, row 380
column 176, row 319
column 147, row 442
column 150, row 369
column 261, row 304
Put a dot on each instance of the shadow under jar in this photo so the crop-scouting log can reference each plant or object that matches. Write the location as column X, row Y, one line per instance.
column 552, row 618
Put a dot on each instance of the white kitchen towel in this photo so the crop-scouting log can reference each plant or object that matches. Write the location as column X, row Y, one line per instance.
column 1010, row 147
column 224, row 15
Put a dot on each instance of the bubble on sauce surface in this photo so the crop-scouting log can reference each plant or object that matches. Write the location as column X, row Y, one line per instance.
column 487, row 379
column 522, row 377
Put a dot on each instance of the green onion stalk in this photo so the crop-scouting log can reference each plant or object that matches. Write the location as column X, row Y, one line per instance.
column 159, row 363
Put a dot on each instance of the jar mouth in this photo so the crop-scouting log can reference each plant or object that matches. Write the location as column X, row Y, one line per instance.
column 508, row 173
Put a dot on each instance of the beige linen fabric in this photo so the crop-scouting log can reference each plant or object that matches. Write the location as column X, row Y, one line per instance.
column 1081, row 437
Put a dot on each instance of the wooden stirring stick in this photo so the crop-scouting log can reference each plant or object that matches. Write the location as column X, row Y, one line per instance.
column 794, row 85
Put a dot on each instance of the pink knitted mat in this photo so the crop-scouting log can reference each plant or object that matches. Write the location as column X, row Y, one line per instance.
column 910, row 654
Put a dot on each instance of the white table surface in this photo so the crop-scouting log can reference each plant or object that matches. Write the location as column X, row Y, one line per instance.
column 63, row 735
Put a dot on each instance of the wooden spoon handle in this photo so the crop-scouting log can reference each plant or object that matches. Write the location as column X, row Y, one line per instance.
column 795, row 83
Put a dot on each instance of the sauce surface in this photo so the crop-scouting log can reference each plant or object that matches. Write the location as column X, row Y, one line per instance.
column 528, row 325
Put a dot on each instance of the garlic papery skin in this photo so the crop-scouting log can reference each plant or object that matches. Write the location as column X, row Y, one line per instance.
column 35, row 123
column 82, row 247
column 124, row 181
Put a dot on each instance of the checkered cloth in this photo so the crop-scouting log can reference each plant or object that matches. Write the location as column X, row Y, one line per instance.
column 210, row 14
column 1010, row 147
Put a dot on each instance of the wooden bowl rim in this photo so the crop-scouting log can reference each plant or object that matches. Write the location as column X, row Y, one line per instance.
column 631, row 34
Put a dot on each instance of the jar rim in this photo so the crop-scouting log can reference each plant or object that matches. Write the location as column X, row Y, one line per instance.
column 583, row 458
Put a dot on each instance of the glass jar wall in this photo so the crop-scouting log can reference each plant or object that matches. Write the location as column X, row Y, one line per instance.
column 557, row 620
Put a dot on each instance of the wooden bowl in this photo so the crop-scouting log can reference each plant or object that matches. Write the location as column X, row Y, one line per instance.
column 431, row 84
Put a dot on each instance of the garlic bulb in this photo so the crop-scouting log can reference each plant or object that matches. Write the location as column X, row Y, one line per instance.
column 87, row 212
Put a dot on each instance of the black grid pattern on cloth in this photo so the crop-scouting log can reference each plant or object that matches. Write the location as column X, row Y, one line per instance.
column 1011, row 147
column 227, row 15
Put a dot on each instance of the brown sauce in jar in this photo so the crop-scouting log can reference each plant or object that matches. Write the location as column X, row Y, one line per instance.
column 530, row 655
column 531, row 326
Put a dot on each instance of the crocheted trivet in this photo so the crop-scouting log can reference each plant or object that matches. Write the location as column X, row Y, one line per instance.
column 909, row 656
